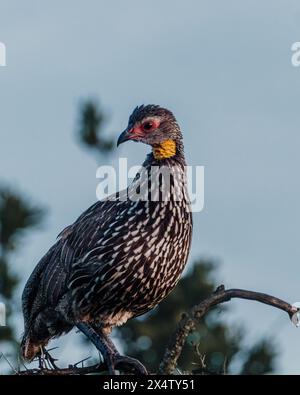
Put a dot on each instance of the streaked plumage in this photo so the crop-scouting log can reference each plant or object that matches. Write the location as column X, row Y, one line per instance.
column 120, row 258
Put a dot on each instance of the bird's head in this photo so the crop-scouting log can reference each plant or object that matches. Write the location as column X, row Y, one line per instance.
column 155, row 126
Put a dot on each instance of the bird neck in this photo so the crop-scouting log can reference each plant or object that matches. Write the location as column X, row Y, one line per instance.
column 164, row 150
column 168, row 149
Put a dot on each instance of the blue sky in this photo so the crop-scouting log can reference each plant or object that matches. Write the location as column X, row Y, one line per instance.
column 223, row 68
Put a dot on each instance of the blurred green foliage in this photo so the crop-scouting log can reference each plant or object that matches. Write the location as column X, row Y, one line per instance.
column 17, row 216
column 90, row 131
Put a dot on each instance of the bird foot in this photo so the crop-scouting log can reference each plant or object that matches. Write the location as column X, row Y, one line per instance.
column 46, row 360
column 112, row 358
column 51, row 361
column 120, row 362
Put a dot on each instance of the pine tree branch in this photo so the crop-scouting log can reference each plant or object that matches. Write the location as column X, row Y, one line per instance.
column 188, row 321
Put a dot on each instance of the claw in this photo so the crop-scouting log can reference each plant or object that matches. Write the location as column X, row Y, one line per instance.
column 51, row 361
column 136, row 365
column 41, row 359
column 109, row 352
column 46, row 361
column 119, row 362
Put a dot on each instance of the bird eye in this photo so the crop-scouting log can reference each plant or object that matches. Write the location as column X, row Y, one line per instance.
column 147, row 125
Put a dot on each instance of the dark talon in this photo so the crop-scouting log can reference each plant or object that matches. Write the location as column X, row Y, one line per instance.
column 126, row 362
column 110, row 354
column 44, row 357
column 41, row 362
column 50, row 359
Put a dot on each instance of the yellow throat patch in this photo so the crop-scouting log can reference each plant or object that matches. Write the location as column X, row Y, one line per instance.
column 164, row 150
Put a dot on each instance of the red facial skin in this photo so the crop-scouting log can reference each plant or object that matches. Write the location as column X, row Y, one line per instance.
column 140, row 130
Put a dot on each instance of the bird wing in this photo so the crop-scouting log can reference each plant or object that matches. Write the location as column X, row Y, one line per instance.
column 32, row 286
column 49, row 280
column 47, row 283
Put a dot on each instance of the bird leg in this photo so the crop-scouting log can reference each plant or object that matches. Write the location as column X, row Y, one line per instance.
column 51, row 361
column 45, row 358
column 41, row 359
column 109, row 352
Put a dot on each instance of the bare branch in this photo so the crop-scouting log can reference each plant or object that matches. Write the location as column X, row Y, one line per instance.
column 188, row 321
column 185, row 326
column 70, row 371
column 74, row 370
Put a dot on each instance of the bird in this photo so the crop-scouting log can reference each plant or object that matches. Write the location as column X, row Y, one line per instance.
column 122, row 256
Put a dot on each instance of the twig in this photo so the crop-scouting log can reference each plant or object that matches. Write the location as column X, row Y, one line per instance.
column 81, row 362
column 188, row 321
column 10, row 365
column 185, row 326
column 71, row 370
